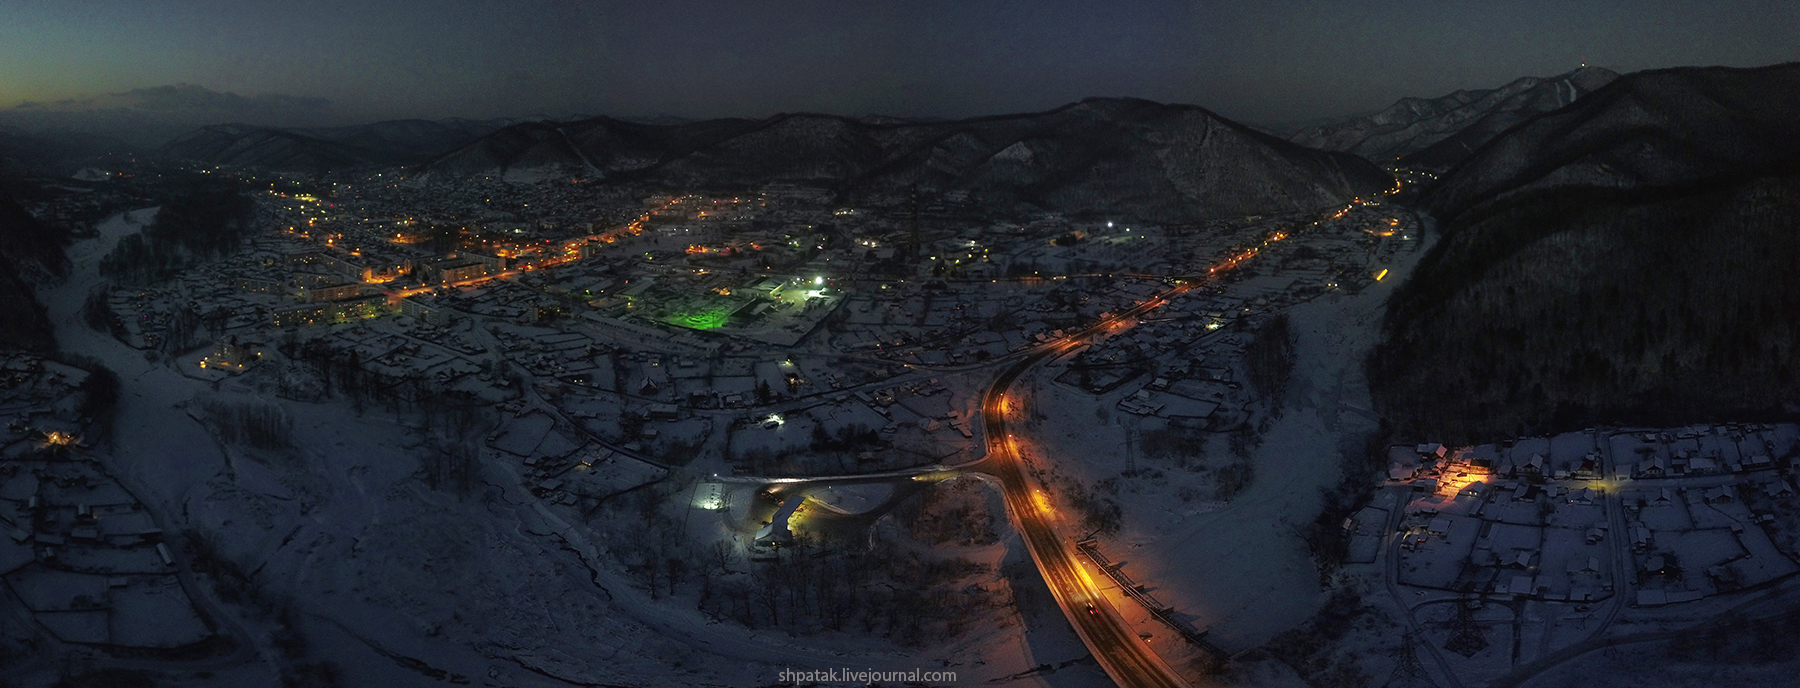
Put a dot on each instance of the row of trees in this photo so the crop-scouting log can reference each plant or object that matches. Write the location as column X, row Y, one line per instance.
column 1100, row 511
column 1317, row 651
column 838, row 585
column 1736, row 638
column 1269, row 359
column 957, row 511
column 340, row 372
column 452, row 422
column 99, row 390
column 827, row 453
column 256, row 423
column 206, row 220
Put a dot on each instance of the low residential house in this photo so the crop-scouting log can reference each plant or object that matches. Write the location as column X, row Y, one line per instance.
column 1589, row 467
column 1640, row 539
column 1427, row 505
column 1702, row 465
column 1724, row 576
column 1533, row 467
column 1778, row 489
column 1719, row 495
column 1403, row 463
column 1584, row 567
column 1515, row 585
column 1517, row 559
column 1484, row 456
column 1596, row 533
column 1656, row 466
column 1439, row 527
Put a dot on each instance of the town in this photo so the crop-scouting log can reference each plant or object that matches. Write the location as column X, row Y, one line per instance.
column 1282, row 345
column 652, row 327
column 718, row 383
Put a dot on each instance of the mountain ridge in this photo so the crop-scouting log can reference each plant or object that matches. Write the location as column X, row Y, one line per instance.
column 1436, row 133
column 1104, row 155
column 386, row 143
column 1689, row 117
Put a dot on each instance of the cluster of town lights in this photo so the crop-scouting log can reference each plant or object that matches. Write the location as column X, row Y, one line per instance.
column 1246, row 254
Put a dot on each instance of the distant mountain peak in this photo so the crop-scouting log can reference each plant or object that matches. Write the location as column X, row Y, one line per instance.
column 1436, row 133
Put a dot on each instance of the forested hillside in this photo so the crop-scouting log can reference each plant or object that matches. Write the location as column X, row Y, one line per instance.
column 1663, row 292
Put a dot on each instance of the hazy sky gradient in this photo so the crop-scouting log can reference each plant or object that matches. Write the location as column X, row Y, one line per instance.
column 1258, row 61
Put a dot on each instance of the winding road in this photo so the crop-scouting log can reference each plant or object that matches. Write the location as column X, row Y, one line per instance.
column 1127, row 659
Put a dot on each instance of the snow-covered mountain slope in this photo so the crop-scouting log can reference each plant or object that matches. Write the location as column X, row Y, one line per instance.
column 1436, row 133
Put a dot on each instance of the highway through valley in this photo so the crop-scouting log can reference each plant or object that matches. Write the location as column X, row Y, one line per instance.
column 1125, row 657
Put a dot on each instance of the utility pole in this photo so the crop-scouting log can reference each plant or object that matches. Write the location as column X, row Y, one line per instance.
column 1466, row 636
column 1408, row 672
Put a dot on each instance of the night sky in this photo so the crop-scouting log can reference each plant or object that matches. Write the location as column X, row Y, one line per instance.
column 341, row 62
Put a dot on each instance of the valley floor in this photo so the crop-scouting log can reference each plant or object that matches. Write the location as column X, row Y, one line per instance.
column 384, row 581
